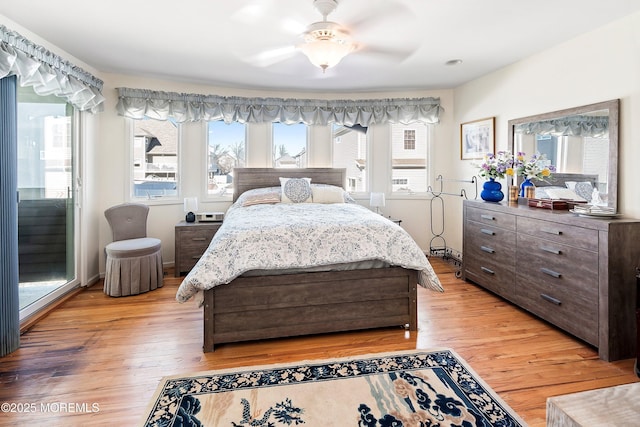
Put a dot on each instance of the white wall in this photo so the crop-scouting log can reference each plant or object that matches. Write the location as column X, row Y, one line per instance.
column 112, row 154
column 598, row 66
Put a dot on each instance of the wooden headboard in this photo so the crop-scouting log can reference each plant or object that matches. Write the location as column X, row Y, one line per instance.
column 249, row 178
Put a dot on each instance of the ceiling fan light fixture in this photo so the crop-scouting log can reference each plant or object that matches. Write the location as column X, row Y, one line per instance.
column 325, row 44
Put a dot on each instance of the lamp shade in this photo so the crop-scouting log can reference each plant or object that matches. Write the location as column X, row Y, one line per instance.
column 325, row 53
column 326, row 43
column 376, row 200
column 190, row 204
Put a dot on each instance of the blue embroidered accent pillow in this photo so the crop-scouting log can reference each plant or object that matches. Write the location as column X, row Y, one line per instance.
column 296, row 190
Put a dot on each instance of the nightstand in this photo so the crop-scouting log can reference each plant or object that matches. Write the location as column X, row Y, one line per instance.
column 192, row 239
column 396, row 220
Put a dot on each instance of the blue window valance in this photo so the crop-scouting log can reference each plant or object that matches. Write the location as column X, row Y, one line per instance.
column 140, row 103
column 587, row 126
column 48, row 73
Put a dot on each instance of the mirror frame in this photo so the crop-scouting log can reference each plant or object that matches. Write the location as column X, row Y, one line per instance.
column 614, row 119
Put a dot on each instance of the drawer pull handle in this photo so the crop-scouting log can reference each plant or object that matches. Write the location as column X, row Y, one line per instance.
column 489, row 232
column 489, row 217
column 196, row 257
column 199, row 239
column 551, row 299
column 487, row 270
column 551, row 250
column 551, row 272
column 487, row 250
column 550, row 231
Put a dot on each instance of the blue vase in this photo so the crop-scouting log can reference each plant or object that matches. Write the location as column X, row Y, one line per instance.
column 491, row 191
column 526, row 183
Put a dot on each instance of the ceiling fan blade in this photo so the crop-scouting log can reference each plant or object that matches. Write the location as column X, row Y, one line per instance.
column 271, row 56
column 253, row 12
column 258, row 12
column 379, row 16
column 398, row 54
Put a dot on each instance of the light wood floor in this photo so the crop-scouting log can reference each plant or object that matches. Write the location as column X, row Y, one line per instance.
column 112, row 352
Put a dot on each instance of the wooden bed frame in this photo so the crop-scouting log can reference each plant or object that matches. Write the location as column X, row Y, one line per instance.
column 275, row 306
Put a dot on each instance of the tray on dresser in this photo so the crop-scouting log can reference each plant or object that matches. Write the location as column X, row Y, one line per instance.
column 553, row 204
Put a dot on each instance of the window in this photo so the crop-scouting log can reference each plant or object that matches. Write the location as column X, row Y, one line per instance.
column 226, row 150
column 409, row 157
column 289, row 145
column 409, row 139
column 350, row 152
column 155, row 159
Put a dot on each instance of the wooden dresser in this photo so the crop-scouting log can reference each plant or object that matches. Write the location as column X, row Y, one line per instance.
column 191, row 240
column 576, row 273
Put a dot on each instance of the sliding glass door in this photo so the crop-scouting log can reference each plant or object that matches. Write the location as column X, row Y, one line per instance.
column 46, row 207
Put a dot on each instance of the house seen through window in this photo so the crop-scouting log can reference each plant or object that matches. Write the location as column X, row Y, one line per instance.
column 155, row 159
column 226, row 150
column 289, row 145
column 350, row 152
column 409, row 145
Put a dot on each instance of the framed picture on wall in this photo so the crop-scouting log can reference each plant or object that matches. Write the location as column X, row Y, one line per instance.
column 477, row 138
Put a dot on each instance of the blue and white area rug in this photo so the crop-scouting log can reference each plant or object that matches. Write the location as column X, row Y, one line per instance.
column 410, row 389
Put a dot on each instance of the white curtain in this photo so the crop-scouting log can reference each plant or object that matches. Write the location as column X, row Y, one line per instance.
column 47, row 73
column 140, row 103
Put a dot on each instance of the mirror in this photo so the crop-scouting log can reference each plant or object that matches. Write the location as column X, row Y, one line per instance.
column 581, row 142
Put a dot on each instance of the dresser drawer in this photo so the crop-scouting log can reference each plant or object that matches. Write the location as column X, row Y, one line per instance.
column 561, row 233
column 489, row 241
column 494, row 219
column 488, row 259
column 560, row 264
column 490, row 274
column 575, row 312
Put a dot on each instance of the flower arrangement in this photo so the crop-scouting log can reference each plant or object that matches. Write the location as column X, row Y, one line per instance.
column 538, row 166
column 497, row 165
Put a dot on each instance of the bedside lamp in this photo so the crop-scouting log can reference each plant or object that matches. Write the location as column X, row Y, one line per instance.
column 376, row 200
column 190, row 205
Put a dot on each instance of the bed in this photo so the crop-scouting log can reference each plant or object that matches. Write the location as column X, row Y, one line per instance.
column 252, row 301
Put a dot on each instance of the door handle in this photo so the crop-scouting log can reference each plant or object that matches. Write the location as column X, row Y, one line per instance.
column 487, row 270
column 551, row 272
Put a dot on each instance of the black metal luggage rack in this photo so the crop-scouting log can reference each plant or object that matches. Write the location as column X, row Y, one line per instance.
column 443, row 251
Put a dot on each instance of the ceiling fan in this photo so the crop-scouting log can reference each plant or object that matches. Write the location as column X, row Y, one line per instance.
column 325, row 43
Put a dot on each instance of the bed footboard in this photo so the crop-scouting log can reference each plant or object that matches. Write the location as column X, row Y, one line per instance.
column 261, row 307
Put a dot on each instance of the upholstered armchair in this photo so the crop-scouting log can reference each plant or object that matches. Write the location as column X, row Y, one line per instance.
column 134, row 261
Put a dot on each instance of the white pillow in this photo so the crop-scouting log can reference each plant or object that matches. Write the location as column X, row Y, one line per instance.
column 563, row 193
column 261, row 199
column 327, row 194
column 296, row 190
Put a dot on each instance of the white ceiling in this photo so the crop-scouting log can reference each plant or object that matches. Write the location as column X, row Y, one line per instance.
column 404, row 44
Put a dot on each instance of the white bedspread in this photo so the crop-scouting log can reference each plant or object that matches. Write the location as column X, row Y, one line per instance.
column 284, row 236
